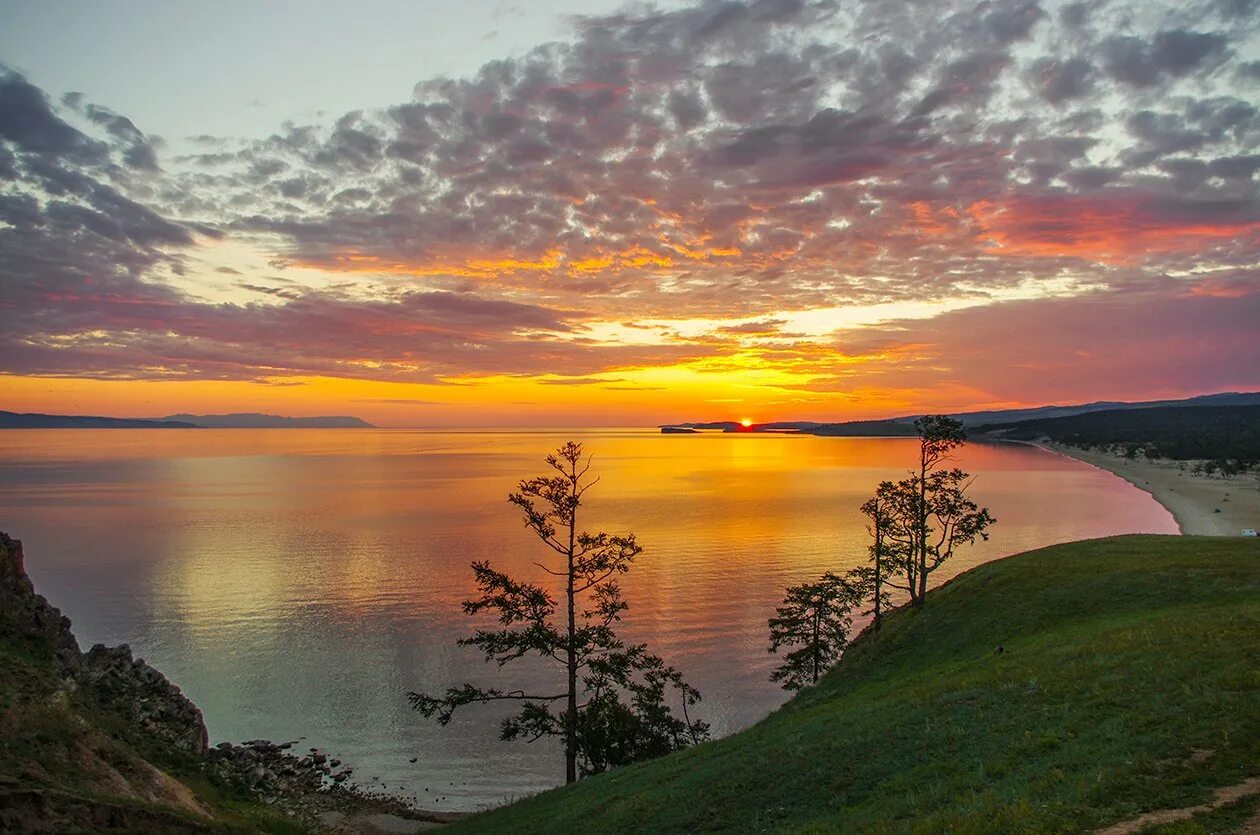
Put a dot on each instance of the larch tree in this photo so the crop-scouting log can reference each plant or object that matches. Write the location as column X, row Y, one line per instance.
column 918, row 523
column 938, row 436
column 885, row 557
column 612, row 704
column 813, row 625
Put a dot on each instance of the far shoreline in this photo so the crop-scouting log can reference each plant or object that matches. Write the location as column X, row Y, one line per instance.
column 1201, row 505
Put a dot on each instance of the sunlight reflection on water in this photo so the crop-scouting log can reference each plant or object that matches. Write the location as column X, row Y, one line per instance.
column 296, row 583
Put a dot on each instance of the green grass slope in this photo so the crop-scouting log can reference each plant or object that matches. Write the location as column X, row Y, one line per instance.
column 1130, row 682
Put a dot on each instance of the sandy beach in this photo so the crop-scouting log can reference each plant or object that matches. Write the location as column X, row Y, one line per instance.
column 1202, row 505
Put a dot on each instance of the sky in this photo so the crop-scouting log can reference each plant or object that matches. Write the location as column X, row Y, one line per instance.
column 555, row 213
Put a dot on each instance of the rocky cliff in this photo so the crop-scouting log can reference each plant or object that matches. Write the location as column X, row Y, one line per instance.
column 26, row 617
column 100, row 741
column 123, row 685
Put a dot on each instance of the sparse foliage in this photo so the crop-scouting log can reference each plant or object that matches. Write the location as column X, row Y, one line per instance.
column 886, row 555
column 813, row 623
column 624, row 713
column 918, row 523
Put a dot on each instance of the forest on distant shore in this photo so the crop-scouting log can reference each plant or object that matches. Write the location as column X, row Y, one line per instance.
column 1228, row 435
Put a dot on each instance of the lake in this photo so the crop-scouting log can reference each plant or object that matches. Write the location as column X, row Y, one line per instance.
column 297, row 583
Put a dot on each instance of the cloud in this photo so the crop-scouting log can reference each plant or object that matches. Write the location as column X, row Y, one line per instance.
column 1058, row 81
column 756, row 328
column 1174, row 53
column 31, row 126
column 578, row 381
column 1118, row 227
column 727, row 162
column 1097, row 346
column 398, row 401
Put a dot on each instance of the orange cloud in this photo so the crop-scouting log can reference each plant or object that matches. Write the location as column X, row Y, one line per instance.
column 552, row 261
column 926, row 219
column 1225, row 288
column 1114, row 229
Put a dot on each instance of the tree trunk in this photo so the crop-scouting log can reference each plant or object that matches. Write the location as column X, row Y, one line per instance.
column 570, row 719
column 879, row 569
column 817, row 617
column 922, row 520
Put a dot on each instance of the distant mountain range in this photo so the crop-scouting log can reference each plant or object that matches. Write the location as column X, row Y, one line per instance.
column 902, row 426
column 253, row 420
column 16, row 420
column 1018, row 415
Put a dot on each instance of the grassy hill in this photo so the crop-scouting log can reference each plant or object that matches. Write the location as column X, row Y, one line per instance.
column 1129, row 682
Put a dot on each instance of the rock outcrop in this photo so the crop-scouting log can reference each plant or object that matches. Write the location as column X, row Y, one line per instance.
column 152, row 706
column 99, row 741
column 28, row 616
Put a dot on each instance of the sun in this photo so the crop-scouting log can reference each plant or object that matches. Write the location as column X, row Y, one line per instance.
column 746, row 422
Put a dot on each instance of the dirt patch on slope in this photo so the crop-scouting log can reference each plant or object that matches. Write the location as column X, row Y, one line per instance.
column 1224, row 797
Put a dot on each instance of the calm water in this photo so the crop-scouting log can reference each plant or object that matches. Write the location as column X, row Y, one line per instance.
column 296, row 583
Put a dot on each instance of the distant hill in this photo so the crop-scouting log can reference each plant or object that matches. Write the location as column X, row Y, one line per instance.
column 16, row 420
column 733, row 426
column 1176, row 432
column 253, row 420
column 864, row 429
column 901, row 426
column 1042, row 412
column 853, row 428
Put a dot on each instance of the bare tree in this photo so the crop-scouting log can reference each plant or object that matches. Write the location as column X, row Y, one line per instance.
column 623, row 715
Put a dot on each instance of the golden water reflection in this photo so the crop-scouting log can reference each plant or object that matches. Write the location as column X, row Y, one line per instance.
column 297, row 583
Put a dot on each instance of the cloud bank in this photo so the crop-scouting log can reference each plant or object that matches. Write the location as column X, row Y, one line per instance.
column 1069, row 188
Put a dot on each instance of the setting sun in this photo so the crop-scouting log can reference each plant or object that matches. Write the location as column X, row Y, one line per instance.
column 746, row 422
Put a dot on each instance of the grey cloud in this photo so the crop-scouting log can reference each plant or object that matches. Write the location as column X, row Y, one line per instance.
column 1090, row 177
column 8, row 164
column 1074, row 15
column 1013, row 20
column 27, row 120
column 1178, row 52
column 137, row 149
column 1236, row 8
column 1171, row 53
column 1248, row 70
column 280, row 292
column 1058, row 81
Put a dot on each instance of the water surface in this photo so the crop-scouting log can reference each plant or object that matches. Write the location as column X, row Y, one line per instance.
column 296, row 583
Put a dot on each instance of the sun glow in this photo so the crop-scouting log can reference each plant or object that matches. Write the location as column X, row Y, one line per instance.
column 745, row 422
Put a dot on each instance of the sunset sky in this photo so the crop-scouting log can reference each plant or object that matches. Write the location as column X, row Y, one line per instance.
column 494, row 213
